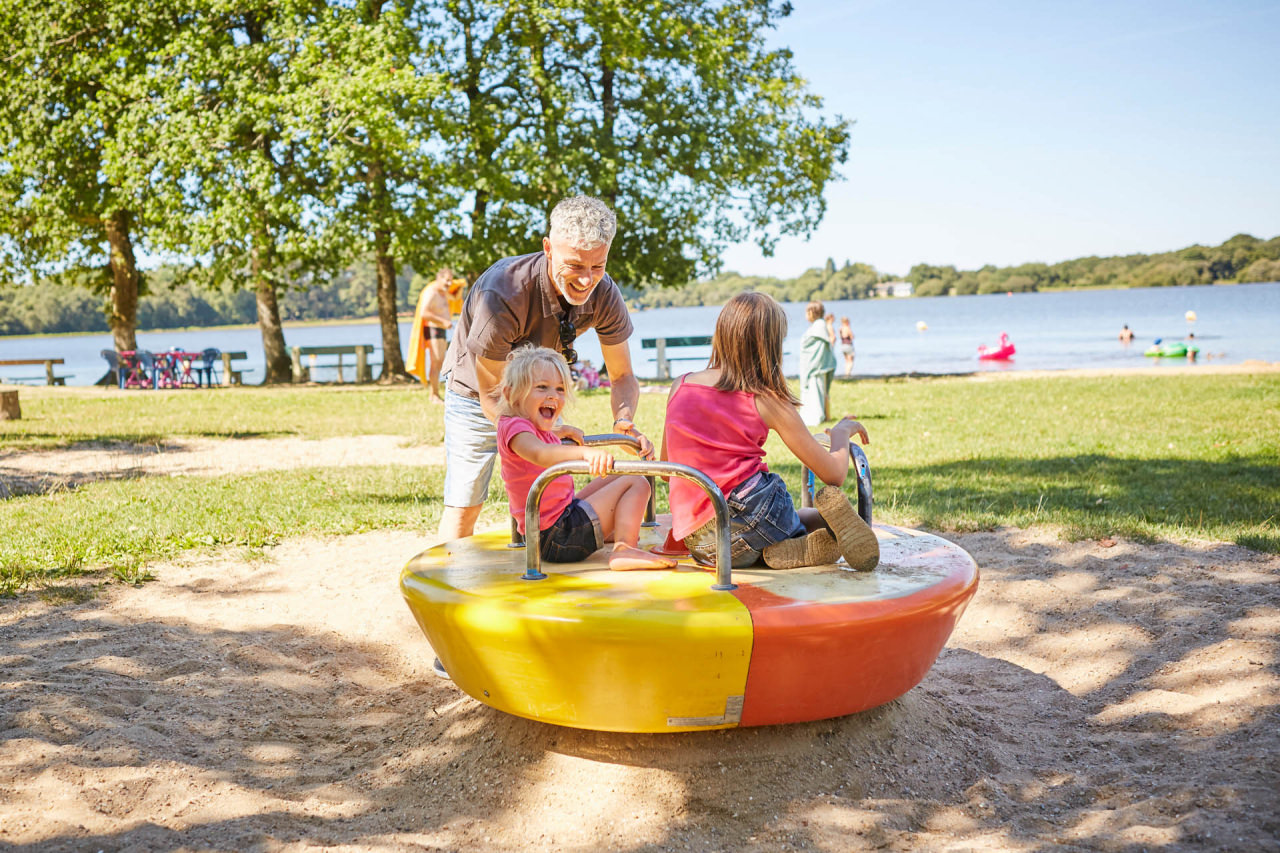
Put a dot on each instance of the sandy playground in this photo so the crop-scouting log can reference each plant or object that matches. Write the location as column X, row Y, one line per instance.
column 1096, row 696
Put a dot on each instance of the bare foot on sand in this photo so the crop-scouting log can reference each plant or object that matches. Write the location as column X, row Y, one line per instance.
column 625, row 558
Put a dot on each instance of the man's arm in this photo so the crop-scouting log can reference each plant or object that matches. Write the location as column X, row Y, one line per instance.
column 624, row 393
column 488, row 377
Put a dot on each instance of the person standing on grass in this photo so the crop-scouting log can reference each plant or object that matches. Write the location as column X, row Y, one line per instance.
column 817, row 364
column 433, row 314
column 546, row 298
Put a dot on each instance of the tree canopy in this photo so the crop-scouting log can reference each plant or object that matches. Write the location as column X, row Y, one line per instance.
column 272, row 144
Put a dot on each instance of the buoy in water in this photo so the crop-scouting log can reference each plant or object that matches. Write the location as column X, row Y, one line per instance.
column 922, row 326
column 1191, row 316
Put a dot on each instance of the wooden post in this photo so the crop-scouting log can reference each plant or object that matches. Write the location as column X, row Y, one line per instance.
column 10, row 410
column 362, row 363
column 664, row 369
column 340, row 379
column 296, row 356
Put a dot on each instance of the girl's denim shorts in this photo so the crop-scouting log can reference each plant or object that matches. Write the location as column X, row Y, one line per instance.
column 575, row 535
column 761, row 513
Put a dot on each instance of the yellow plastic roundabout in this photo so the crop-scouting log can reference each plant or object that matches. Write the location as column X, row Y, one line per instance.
column 687, row 648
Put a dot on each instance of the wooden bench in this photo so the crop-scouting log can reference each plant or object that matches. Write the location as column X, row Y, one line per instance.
column 661, row 345
column 361, row 352
column 49, row 378
column 231, row 376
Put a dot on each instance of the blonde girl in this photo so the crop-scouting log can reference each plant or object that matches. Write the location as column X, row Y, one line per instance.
column 718, row 420
column 535, row 388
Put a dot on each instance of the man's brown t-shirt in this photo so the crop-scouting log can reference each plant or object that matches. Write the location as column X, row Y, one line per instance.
column 513, row 303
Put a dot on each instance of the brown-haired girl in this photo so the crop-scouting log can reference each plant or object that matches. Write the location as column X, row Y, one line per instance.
column 717, row 421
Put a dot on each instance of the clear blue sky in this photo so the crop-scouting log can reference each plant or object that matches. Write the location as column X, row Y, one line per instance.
column 1004, row 132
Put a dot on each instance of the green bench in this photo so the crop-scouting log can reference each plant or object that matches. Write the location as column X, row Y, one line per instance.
column 661, row 345
column 360, row 352
column 49, row 377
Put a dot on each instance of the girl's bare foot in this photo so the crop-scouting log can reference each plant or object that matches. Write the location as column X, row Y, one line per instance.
column 624, row 558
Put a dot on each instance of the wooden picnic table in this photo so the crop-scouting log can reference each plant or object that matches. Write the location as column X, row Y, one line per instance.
column 50, row 378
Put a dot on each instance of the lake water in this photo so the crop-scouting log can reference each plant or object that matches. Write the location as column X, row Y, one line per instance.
column 1052, row 331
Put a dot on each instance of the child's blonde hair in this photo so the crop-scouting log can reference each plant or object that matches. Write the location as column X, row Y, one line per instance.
column 747, row 346
column 517, row 378
column 814, row 311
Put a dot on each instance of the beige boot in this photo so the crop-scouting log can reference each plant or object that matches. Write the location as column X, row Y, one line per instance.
column 857, row 541
column 818, row 548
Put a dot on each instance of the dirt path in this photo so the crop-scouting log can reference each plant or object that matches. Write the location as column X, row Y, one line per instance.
column 40, row 471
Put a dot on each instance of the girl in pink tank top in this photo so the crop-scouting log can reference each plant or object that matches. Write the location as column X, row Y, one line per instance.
column 718, row 420
column 534, row 389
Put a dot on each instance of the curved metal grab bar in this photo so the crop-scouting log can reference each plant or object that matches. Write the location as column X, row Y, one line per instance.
column 600, row 440
column 533, row 557
column 608, row 438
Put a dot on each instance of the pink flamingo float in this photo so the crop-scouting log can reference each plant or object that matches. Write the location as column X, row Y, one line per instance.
column 1003, row 353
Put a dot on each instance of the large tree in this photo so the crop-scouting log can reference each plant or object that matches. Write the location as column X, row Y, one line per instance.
column 66, row 70
column 226, row 167
column 674, row 111
column 368, row 113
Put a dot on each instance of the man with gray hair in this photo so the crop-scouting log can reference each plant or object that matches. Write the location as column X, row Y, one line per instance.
column 547, row 298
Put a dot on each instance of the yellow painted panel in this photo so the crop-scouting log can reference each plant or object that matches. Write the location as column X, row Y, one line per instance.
column 586, row 647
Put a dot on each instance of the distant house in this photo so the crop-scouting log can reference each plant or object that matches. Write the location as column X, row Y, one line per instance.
column 894, row 288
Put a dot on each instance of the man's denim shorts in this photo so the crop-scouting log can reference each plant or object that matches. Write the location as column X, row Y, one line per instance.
column 575, row 535
column 761, row 513
column 470, row 447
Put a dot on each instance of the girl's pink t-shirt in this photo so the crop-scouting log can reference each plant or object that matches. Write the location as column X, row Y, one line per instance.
column 721, row 434
column 519, row 473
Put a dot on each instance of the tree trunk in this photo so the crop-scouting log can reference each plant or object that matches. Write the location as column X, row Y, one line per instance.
column 279, row 366
column 392, row 358
column 609, row 119
column 124, row 282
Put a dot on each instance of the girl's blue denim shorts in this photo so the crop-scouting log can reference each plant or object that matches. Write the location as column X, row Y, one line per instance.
column 761, row 513
column 575, row 535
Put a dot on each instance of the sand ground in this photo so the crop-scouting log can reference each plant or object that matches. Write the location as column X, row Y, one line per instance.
column 1095, row 696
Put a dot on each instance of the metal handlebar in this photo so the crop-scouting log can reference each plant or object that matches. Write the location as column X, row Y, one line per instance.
column 600, row 440
column 533, row 557
column 608, row 438
column 862, row 472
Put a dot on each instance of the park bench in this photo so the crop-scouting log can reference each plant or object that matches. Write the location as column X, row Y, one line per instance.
column 49, row 378
column 361, row 352
column 661, row 345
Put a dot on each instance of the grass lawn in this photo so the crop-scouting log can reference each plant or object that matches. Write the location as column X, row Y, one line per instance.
column 1182, row 456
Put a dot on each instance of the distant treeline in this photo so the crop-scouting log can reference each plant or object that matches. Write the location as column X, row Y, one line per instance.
column 1242, row 259
column 170, row 302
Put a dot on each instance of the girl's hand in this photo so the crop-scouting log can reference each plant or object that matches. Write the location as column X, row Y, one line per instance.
column 598, row 459
column 570, row 432
column 848, row 427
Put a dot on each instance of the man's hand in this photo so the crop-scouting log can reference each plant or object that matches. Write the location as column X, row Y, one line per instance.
column 627, row 427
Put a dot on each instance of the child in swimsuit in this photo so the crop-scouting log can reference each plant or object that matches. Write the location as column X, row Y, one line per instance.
column 717, row 421
column 534, row 389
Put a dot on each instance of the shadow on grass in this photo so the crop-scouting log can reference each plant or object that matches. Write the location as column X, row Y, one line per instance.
column 1090, row 495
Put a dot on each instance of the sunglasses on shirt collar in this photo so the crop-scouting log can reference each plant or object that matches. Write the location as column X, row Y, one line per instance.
column 567, row 336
